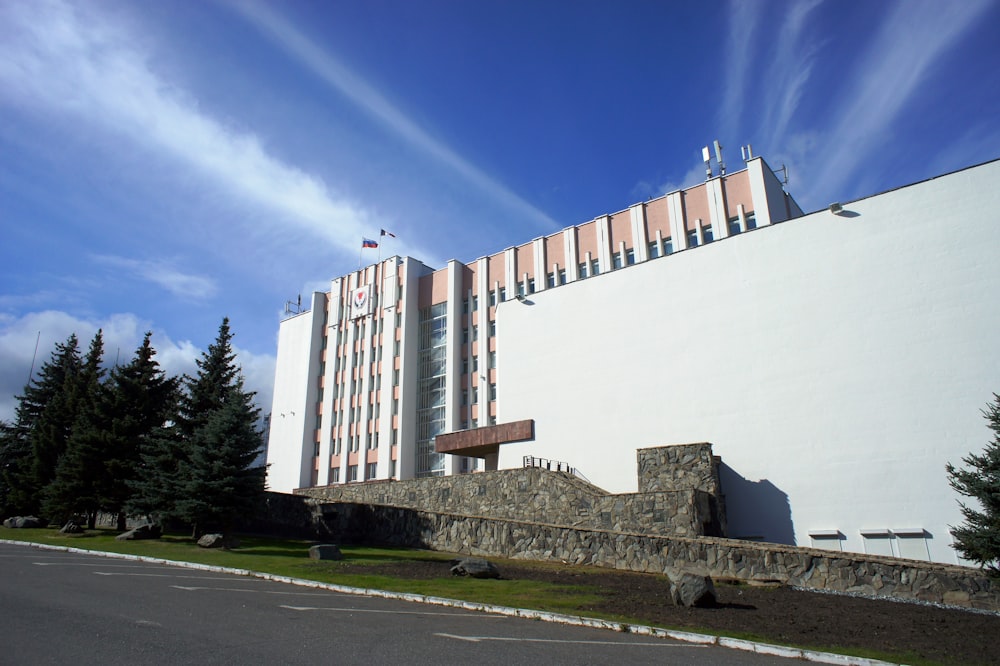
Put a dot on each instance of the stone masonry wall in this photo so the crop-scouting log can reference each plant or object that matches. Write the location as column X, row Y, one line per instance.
column 868, row 575
column 538, row 495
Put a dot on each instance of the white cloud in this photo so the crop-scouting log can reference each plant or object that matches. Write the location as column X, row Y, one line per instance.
column 908, row 43
column 122, row 335
column 161, row 273
column 335, row 74
column 743, row 16
column 74, row 60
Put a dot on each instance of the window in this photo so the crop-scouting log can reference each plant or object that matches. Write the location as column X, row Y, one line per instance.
column 352, row 473
column 475, row 363
column 493, row 359
column 475, row 333
column 395, row 406
column 654, row 250
column 562, row 276
column 595, row 267
column 475, row 303
column 877, row 542
column 370, row 472
column 708, row 234
column 616, row 261
column 395, row 377
column 335, row 475
column 751, row 221
column 492, row 330
column 531, row 285
column 582, row 269
column 392, row 469
column 465, row 396
column 550, row 280
column 520, row 289
column 315, row 449
column 493, row 391
column 630, row 257
column 465, row 306
column 503, row 294
column 692, row 238
column 475, row 394
column 465, row 336
column 395, row 438
column 493, row 298
column 912, row 543
column 734, row 225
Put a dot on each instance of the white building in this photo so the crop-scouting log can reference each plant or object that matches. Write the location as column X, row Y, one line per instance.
column 836, row 362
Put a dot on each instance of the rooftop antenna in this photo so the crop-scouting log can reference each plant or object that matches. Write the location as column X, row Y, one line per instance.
column 294, row 308
column 707, row 156
column 718, row 158
column 31, row 372
column 784, row 174
column 747, row 152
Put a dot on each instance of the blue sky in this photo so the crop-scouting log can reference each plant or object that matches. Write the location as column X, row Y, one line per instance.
column 163, row 165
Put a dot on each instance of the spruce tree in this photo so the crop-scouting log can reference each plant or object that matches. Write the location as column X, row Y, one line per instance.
column 42, row 425
column 978, row 538
column 198, row 469
column 141, row 400
column 79, row 471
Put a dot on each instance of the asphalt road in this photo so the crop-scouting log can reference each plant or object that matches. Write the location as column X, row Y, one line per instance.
column 62, row 608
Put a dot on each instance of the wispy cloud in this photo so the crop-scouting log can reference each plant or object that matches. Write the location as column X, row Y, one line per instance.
column 335, row 74
column 161, row 273
column 72, row 59
column 788, row 73
column 908, row 43
column 744, row 16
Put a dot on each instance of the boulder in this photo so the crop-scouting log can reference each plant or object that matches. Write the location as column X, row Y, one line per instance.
column 211, row 541
column 474, row 567
column 23, row 521
column 71, row 528
column 689, row 590
column 325, row 551
column 147, row 531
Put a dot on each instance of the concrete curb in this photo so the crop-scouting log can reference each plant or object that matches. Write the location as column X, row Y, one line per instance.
column 574, row 620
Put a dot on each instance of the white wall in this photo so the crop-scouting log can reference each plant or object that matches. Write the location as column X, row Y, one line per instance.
column 836, row 363
column 293, row 411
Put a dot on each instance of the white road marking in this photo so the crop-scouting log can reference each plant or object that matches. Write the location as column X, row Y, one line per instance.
column 98, row 563
column 195, row 588
column 514, row 639
column 391, row 612
column 154, row 575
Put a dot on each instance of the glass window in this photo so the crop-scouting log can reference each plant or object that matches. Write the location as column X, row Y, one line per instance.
column 492, row 331
column 595, row 267
column 531, row 285
column 562, row 276
column 734, row 225
column 352, row 472
column 335, row 475
column 708, row 234
column 493, row 359
column 503, row 294
column 550, row 280
column 372, row 467
column 654, row 250
column 616, row 261
column 630, row 257
column 475, row 303
column 582, row 269
column 493, row 298
column 692, row 238
column 751, row 221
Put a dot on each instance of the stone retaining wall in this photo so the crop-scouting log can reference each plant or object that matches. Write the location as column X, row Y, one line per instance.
column 679, row 495
column 867, row 575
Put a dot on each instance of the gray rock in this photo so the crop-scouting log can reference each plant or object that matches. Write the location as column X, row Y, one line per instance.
column 71, row 528
column 691, row 590
column 325, row 551
column 211, row 541
column 146, row 531
column 23, row 521
column 474, row 567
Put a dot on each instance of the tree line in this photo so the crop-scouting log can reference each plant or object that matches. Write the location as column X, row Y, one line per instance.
column 133, row 441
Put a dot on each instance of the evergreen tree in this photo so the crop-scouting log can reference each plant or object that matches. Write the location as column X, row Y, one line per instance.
column 199, row 469
column 142, row 399
column 219, row 480
column 79, row 471
column 43, row 421
column 978, row 539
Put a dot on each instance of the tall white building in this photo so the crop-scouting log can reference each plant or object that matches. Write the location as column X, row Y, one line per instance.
column 836, row 361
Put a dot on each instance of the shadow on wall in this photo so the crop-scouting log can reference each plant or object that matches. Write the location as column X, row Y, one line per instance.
column 755, row 510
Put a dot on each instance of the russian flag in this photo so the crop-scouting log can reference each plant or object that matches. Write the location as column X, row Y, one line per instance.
column 368, row 242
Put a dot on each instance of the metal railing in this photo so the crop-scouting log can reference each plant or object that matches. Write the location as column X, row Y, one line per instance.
column 551, row 465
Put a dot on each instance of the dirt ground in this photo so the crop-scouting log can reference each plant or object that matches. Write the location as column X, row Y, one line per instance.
column 769, row 614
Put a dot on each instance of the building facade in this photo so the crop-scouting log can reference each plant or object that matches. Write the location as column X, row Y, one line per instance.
column 396, row 353
column 836, row 361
